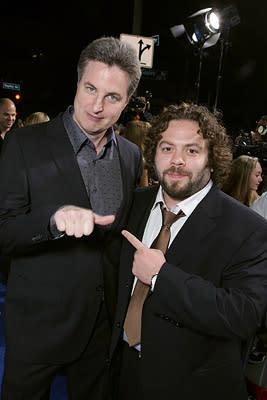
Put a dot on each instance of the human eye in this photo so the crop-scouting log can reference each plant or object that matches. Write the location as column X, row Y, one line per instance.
column 192, row 150
column 90, row 89
column 166, row 149
column 113, row 98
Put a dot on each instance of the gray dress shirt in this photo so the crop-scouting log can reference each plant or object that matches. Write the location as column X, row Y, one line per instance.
column 101, row 172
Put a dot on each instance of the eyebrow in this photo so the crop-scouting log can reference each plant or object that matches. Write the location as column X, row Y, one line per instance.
column 186, row 145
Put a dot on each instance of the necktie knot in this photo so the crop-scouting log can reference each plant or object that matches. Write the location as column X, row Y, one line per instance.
column 169, row 217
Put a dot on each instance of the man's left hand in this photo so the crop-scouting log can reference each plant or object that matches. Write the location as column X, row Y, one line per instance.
column 147, row 262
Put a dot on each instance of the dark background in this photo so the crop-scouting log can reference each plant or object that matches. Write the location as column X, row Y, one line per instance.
column 41, row 43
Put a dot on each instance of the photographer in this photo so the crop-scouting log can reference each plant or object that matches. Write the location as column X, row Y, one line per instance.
column 137, row 109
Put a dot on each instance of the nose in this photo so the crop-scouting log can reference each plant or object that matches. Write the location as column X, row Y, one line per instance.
column 177, row 158
column 98, row 105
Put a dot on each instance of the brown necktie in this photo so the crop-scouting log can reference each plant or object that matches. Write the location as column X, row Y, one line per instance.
column 132, row 323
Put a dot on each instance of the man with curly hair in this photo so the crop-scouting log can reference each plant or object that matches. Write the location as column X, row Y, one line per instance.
column 184, row 312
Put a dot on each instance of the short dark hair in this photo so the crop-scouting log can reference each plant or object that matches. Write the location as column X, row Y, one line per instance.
column 112, row 51
column 219, row 145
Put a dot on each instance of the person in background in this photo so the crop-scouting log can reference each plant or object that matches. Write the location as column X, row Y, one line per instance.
column 244, row 179
column 260, row 205
column 197, row 260
column 18, row 123
column 7, row 117
column 36, row 118
column 137, row 109
column 135, row 131
column 7, row 120
column 65, row 191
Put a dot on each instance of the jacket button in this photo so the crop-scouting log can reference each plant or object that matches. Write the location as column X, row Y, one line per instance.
column 118, row 324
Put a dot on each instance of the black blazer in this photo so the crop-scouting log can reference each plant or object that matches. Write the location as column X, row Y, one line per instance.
column 55, row 287
column 209, row 296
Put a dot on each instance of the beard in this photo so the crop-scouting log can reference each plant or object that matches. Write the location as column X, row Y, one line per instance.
column 180, row 191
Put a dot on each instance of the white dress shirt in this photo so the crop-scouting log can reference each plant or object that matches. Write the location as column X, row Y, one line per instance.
column 260, row 205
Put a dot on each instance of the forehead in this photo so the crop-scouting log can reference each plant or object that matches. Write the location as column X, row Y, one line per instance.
column 102, row 75
column 257, row 166
column 182, row 130
column 7, row 108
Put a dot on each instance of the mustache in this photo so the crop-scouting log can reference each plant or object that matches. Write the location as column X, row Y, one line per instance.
column 176, row 170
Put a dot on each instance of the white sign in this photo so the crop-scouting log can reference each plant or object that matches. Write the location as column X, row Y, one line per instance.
column 144, row 47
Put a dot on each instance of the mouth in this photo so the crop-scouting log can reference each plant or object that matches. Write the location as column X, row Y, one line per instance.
column 94, row 118
column 176, row 174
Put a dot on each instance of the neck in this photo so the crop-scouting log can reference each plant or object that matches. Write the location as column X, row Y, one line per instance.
column 169, row 201
column 2, row 134
column 98, row 141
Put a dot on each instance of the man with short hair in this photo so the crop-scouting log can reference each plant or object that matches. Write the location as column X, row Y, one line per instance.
column 7, row 117
column 66, row 188
column 193, row 269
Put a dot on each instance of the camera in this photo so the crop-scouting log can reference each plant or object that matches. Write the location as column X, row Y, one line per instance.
column 137, row 102
column 245, row 138
column 262, row 130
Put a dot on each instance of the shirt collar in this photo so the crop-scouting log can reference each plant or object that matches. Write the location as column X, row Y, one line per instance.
column 76, row 135
column 188, row 205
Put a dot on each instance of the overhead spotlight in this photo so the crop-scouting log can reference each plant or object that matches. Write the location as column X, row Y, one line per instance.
column 203, row 28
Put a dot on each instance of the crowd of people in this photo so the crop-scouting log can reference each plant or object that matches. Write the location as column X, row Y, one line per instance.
column 136, row 259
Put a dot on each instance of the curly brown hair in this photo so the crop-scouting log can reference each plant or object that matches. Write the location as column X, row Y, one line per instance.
column 219, row 144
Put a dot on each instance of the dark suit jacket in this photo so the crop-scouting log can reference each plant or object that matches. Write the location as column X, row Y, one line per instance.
column 55, row 287
column 209, row 296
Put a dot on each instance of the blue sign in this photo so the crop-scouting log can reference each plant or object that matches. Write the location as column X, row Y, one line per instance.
column 11, row 86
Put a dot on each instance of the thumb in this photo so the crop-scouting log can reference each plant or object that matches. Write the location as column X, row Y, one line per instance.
column 103, row 219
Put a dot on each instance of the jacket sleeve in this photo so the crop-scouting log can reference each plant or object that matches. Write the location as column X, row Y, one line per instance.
column 235, row 308
column 20, row 227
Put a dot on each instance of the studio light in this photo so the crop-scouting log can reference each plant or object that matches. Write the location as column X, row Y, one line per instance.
column 203, row 28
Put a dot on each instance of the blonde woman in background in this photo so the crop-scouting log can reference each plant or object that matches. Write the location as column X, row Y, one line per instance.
column 135, row 131
column 244, row 179
column 36, row 118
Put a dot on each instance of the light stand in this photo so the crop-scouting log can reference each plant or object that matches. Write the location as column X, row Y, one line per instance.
column 203, row 29
column 230, row 18
column 223, row 45
column 197, row 84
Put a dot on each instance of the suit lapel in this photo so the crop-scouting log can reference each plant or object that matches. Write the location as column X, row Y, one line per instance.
column 200, row 223
column 65, row 160
column 128, row 179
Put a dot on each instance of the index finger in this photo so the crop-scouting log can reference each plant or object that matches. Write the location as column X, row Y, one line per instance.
column 133, row 240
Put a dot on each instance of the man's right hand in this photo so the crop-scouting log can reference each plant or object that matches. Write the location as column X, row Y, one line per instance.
column 77, row 221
